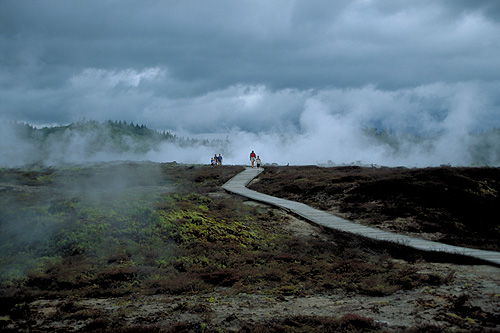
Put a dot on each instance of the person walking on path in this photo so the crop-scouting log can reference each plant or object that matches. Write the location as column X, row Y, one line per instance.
column 257, row 161
column 252, row 157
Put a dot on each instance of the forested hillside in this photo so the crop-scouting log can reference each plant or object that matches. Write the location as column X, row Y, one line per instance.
column 86, row 141
column 120, row 134
column 117, row 128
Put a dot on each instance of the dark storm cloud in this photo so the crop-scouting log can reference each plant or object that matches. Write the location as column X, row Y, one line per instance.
column 428, row 67
column 283, row 44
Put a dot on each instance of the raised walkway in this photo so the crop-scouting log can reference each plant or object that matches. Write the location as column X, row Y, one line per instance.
column 238, row 185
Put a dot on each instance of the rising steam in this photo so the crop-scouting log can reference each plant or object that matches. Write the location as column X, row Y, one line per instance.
column 424, row 126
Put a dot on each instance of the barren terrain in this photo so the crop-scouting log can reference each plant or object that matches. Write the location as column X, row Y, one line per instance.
column 455, row 206
column 180, row 254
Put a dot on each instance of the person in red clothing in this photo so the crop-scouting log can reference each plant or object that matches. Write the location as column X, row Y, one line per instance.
column 252, row 157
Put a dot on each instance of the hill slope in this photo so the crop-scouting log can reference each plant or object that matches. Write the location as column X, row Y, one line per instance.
column 87, row 141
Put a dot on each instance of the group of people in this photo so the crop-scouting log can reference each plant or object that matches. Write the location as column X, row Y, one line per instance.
column 255, row 159
column 216, row 160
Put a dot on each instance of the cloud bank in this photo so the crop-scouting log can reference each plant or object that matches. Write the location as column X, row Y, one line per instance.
column 298, row 81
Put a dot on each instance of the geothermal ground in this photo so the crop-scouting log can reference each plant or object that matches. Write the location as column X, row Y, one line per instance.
column 161, row 248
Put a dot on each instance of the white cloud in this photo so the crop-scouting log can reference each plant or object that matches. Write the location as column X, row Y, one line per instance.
column 99, row 79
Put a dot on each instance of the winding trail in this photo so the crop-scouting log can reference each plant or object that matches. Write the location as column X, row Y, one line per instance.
column 238, row 184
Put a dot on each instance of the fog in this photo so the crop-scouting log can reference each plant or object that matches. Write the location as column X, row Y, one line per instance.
column 38, row 216
column 416, row 127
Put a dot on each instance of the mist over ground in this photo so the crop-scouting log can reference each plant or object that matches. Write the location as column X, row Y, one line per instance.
column 453, row 124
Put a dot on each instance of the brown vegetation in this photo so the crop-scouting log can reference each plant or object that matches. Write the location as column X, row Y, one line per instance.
column 166, row 250
column 456, row 206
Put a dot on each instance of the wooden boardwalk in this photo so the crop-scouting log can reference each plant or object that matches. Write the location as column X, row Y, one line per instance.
column 238, row 185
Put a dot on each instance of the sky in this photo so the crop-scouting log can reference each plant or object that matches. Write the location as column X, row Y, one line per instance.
column 298, row 81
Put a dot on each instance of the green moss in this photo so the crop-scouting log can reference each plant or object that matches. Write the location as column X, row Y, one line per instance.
column 486, row 188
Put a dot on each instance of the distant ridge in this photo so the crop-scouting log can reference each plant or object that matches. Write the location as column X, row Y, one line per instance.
column 86, row 141
column 117, row 128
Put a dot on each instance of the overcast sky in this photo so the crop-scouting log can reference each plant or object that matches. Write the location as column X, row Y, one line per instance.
column 272, row 67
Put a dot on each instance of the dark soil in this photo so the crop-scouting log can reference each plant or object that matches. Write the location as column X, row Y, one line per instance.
column 456, row 206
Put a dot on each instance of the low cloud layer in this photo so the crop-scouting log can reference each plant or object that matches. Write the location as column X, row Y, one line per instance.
column 453, row 124
column 298, row 81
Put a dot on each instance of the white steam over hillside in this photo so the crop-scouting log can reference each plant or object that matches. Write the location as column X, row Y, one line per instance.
column 428, row 126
